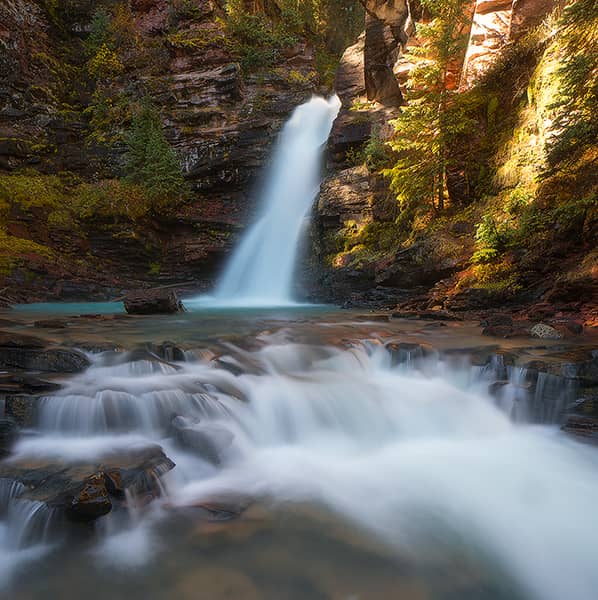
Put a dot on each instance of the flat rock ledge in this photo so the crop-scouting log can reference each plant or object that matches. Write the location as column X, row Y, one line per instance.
column 85, row 491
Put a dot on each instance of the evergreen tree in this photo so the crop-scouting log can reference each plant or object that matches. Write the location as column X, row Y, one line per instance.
column 431, row 120
column 150, row 160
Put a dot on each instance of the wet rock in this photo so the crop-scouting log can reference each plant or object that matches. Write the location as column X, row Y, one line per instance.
column 545, row 332
column 583, row 427
column 209, row 440
column 497, row 320
column 170, row 352
column 51, row 324
column 91, row 501
column 9, row 433
column 24, row 382
column 11, row 339
column 87, row 491
column 405, row 352
column 503, row 331
column 151, row 302
column 54, row 360
column 21, row 408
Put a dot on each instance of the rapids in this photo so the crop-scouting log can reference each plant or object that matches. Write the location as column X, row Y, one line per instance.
column 435, row 478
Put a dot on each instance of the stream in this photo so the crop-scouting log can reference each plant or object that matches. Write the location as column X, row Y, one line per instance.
column 339, row 466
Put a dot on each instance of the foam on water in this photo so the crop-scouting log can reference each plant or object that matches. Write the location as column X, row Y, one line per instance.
column 413, row 454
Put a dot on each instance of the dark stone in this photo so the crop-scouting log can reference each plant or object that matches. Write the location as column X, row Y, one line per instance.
column 150, row 302
column 51, row 324
column 54, row 360
column 9, row 433
column 21, row 408
column 497, row 320
column 503, row 331
column 583, row 427
column 384, row 35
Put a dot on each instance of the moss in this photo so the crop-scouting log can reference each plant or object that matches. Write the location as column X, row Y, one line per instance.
column 15, row 251
column 154, row 268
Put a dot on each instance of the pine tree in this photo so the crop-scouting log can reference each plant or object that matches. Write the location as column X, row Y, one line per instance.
column 431, row 120
column 150, row 160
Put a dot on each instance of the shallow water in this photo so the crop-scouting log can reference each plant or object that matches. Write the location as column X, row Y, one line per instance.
column 365, row 478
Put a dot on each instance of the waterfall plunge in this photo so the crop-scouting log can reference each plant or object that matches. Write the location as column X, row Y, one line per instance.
column 261, row 268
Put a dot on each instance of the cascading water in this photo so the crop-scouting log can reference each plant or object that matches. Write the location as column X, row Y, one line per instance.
column 411, row 451
column 261, row 268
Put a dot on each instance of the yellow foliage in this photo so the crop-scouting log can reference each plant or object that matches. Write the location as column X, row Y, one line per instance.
column 105, row 63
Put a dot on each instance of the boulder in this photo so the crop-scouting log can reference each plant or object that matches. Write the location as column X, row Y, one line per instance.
column 151, row 302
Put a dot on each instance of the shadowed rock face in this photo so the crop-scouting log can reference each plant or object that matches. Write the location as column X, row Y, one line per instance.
column 386, row 24
column 221, row 123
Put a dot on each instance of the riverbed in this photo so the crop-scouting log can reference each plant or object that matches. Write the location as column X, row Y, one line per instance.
column 366, row 457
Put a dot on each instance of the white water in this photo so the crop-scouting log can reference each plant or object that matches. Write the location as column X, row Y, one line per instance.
column 261, row 268
column 414, row 455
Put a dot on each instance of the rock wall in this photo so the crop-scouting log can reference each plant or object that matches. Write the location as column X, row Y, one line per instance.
column 220, row 121
column 495, row 23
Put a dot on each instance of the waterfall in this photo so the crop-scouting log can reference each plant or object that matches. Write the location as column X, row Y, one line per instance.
column 261, row 268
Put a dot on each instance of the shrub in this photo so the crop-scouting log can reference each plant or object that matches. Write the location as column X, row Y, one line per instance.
column 105, row 64
column 150, row 160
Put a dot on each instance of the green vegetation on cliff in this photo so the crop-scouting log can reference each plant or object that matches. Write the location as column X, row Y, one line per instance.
column 500, row 177
column 427, row 127
column 151, row 162
column 261, row 38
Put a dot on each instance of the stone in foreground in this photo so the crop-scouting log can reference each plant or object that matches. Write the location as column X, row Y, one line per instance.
column 87, row 491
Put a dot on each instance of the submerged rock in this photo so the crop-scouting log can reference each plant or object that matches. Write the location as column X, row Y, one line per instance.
column 150, row 302
column 209, row 440
column 9, row 433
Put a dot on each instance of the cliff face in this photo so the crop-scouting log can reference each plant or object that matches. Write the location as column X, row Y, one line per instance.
column 55, row 118
column 520, row 227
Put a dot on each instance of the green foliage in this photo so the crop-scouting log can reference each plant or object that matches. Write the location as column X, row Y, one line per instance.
column 429, row 124
column 151, row 162
column 376, row 152
column 99, row 32
column 577, row 104
column 256, row 39
column 108, row 115
column 259, row 39
column 187, row 9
